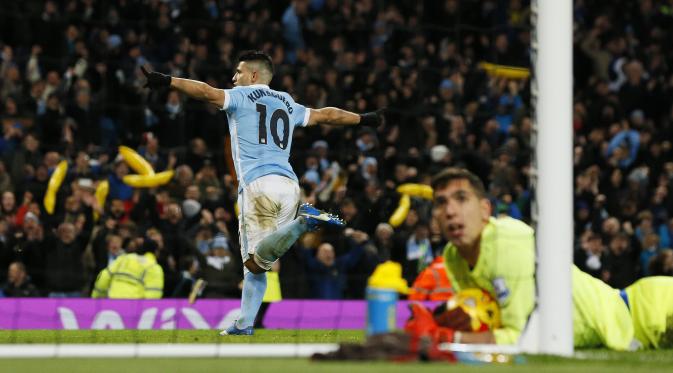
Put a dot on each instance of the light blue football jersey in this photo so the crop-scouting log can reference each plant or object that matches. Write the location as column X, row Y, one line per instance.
column 261, row 124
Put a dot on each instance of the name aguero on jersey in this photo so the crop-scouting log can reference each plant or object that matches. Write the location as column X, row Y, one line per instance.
column 259, row 93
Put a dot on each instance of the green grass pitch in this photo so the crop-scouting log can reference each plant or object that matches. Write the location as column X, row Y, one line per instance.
column 586, row 361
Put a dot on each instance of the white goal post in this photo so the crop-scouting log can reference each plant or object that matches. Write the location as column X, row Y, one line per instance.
column 552, row 176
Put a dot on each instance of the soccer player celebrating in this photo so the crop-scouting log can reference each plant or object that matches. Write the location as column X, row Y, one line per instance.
column 498, row 256
column 261, row 123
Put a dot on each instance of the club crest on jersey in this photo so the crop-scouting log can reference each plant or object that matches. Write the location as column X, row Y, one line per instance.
column 501, row 290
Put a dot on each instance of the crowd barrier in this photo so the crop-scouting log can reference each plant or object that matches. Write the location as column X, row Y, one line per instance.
column 75, row 313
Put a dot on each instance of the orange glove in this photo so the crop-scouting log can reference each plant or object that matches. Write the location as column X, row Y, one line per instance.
column 421, row 322
column 443, row 334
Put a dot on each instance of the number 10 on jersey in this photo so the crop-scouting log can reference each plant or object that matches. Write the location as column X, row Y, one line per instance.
column 278, row 115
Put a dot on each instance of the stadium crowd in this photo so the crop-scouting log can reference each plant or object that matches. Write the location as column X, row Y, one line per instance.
column 71, row 88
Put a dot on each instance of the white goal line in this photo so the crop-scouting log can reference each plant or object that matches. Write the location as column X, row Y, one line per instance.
column 481, row 348
column 163, row 350
column 202, row 350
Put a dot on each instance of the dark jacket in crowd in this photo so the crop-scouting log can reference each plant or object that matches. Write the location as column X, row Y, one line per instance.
column 64, row 270
column 25, row 289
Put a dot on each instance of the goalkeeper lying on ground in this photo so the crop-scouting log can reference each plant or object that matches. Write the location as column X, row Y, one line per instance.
column 498, row 255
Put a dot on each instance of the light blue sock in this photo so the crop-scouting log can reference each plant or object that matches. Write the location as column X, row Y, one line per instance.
column 254, row 286
column 279, row 242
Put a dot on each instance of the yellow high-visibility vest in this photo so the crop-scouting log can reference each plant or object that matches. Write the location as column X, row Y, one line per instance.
column 131, row 276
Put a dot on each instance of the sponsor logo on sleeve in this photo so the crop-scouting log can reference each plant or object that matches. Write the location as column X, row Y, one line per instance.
column 501, row 290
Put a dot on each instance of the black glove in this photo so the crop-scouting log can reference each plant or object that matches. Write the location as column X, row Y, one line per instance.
column 156, row 80
column 373, row 118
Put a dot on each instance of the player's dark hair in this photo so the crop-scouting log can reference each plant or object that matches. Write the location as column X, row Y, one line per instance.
column 257, row 56
column 447, row 175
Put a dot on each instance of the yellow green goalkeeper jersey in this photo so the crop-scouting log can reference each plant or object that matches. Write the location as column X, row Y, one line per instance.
column 505, row 268
column 651, row 303
column 600, row 315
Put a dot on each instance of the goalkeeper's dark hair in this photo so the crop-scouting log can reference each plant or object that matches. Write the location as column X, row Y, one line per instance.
column 444, row 177
column 257, row 56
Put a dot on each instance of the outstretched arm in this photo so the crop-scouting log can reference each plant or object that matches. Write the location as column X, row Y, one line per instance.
column 339, row 117
column 192, row 88
column 199, row 91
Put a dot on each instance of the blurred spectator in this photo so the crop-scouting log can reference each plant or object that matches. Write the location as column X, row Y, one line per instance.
column 327, row 272
column 24, row 161
column 83, row 167
column 221, row 271
column 383, row 240
column 666, row 234
column 184, row 177
column 173, row 229
column 418, row 252
column 86, row 131
column 64, row 271
column 292, row 26
column 650, row 248
column 505, row 206
column 590, row 254
column 119, row 190
column 152, row 153
column 171, row 127
column 662, row 264
column 621, row 268
column 189, row 267
column 197, row 155
column 112, row 249
column 350, row 213
column 51, row 124
column 209, row 185
column 18, row 283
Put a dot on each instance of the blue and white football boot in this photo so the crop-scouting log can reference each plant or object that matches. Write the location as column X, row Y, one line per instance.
column 233, row 330
column 316, row 218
